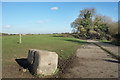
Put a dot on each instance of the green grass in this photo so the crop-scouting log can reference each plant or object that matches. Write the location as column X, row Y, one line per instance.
column 39, row 76
column 104, row 41
column 11, row 50
column 56, row 71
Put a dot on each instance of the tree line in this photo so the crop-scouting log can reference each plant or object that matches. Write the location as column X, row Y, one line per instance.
column 93, row 26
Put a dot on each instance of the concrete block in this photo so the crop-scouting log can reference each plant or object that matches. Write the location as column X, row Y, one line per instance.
column 43, row 62
column 31, row 55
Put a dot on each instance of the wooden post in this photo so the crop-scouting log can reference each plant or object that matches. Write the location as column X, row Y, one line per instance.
column 19, row 37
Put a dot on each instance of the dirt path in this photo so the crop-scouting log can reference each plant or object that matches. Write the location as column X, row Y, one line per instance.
column 15, row 71
column 109, row 47
column 92, row 62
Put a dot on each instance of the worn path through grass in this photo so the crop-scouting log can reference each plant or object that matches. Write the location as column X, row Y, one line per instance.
column 112, row 48
column 92, row 62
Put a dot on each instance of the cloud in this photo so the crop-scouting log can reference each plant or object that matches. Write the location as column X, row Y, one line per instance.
column 43, row 21
column 7, row 26
column 47, row 20
column 40, row 21
column 54, row 8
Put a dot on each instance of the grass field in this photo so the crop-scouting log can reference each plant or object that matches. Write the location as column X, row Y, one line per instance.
column 11, row 50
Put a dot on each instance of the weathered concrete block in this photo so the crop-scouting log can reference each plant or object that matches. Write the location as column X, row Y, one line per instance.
column 43, row 62
column 31, row 55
